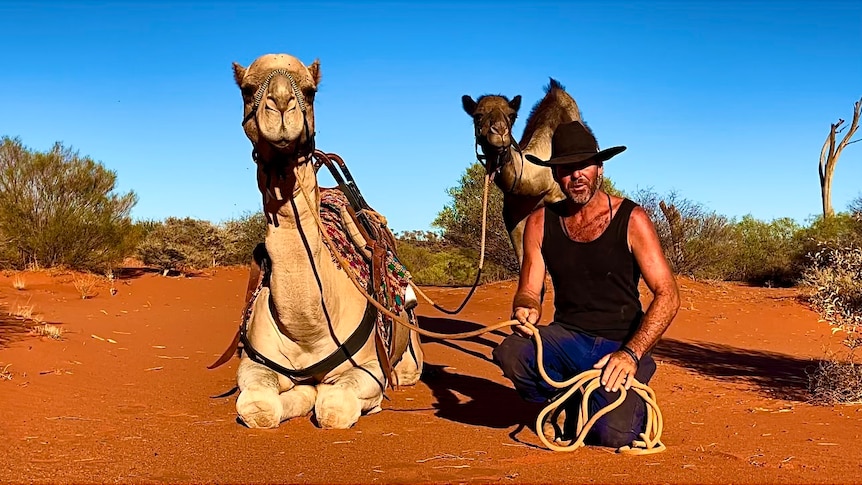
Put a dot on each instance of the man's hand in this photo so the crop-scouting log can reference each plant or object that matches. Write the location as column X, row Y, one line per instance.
column 525, row 315
column 619, row 370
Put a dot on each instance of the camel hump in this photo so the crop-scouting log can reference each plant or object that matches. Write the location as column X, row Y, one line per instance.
column 554, row 84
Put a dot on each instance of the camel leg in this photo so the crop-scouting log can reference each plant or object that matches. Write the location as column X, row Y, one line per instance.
column 409, row 368
column 516, row 234
column 261, row 405
column 357, row 390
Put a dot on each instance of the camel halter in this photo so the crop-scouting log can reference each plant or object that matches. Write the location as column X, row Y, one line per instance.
column 586, row 382
column 483, row 158
column 300, row 100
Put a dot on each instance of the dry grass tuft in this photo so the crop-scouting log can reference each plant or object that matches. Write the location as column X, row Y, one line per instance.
column 19, row 282
column 86, row 285
column 23, row 311
column 48, row 330
column 836, row 382
column 5, row 375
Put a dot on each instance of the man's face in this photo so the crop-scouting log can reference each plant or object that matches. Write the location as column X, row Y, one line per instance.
column 580, row 181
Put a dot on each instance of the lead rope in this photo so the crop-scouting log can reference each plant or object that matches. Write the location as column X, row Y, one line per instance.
column 488, row 179
column 586, row 381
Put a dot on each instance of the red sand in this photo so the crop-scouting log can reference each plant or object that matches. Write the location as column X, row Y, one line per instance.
column 731, row 385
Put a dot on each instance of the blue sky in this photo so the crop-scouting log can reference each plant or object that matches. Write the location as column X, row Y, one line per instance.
column 728, row 103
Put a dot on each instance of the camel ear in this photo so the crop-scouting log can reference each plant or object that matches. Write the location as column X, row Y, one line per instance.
column 468, row 104
column 238, row 73
column 314, row 70
column 515, row 103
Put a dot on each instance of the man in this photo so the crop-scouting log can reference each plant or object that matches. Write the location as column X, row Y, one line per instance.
column 595, row 247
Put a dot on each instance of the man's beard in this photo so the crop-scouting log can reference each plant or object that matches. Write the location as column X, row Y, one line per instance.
column 581, row 197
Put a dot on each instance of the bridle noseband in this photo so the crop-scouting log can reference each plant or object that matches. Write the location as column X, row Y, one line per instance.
column 300, row 99
column 483, row 158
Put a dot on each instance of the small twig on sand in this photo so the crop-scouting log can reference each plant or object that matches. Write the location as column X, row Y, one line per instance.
column 446, row 456
column 72, row 418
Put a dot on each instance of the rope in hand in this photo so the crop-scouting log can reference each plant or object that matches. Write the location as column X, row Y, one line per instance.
column 586, row 382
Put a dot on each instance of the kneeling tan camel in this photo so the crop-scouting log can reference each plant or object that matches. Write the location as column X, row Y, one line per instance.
column 308, row 309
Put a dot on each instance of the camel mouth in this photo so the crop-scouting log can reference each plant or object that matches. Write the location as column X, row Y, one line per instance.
column 282, row 145
column 496, row 142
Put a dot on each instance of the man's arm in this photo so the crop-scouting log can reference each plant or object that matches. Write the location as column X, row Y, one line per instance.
column 658, row 276
column 526, row 306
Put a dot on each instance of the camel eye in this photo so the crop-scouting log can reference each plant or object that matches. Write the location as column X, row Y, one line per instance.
column 248, row 91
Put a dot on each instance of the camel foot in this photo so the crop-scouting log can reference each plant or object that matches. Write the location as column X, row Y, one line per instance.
column 374, row 410
column 259, row 409
column 336, row 408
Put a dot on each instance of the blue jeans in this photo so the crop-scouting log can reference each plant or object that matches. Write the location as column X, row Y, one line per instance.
column 566, row 354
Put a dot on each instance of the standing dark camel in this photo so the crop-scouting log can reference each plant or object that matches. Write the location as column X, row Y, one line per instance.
column 525, row 186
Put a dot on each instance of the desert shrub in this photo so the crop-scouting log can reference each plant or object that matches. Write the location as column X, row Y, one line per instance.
column 461, row 219
column 833, row 278
column 695, row 240
column 841, row 229
column 764, row 252
column 239, row 237
column 183, row 245
column 855, row 208
column 58, row 208
column 836, row 381
column 433, row 261
column 609, row 187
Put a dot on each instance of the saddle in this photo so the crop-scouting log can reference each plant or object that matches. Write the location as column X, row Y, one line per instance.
column 363, row 239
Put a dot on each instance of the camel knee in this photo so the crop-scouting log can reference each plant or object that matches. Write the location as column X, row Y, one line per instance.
column 259, row 408
column 409, row 368
column 337, row 407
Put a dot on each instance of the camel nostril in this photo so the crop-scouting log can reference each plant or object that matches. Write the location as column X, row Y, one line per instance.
column 499, row 129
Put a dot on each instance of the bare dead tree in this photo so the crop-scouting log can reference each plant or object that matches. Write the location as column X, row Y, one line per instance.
column 830, row 153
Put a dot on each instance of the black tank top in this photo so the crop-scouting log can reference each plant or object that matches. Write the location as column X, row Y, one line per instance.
column 596, row 282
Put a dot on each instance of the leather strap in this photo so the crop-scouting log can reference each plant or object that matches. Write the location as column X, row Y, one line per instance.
column 342, row 354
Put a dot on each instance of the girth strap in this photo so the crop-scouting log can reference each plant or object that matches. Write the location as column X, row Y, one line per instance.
column 341, row 355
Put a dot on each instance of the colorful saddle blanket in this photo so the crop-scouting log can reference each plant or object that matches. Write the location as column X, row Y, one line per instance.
column 395, row 282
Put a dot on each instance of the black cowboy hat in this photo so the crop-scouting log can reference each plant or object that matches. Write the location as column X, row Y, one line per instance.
column 574, row 143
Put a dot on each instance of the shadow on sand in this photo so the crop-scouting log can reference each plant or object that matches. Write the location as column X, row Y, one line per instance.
column 12, row 329
column 451, row 326
column 776, row 375
column 482, row 402
column 470, row 399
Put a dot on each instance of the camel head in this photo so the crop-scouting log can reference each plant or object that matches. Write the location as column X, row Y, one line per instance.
column 278, row 98
column 493, row 118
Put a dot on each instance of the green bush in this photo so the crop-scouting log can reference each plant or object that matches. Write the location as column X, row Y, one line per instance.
column 433, row 261
column 842, row 229
column 240, row 236
column 764, row 252
column 183, row 245
column 58, row 208
column 695, row 241
column 461, row 220
column 855, row 208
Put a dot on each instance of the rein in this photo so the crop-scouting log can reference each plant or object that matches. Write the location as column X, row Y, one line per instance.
column 489, row 177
